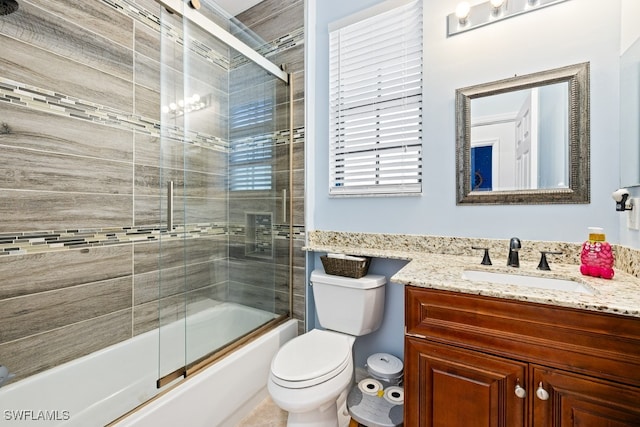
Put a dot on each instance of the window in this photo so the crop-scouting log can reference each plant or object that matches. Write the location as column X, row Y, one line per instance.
column 251, row 153
column 375, row 79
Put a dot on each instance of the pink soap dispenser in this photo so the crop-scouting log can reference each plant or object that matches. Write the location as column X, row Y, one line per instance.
column 596, row 258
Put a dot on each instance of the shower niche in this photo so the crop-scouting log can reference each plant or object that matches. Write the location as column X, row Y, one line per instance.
column 259, row 235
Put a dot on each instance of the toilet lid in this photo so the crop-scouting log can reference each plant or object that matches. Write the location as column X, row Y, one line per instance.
column 311, row 359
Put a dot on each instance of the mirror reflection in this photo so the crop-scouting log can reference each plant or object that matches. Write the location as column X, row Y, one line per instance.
column 630, row 116
column 525, row 139
column 519, row 139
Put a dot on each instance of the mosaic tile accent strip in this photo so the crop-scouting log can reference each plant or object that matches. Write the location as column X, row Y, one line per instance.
column 53, row 102
column 274, row 47
column 46, row 241
column 56, row 103
column 280, row 231
column 54, row 240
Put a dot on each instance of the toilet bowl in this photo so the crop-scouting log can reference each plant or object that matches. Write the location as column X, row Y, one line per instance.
column 311, row 374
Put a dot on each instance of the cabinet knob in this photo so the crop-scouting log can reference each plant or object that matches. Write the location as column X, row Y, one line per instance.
column 542, row 393
column 520, row 392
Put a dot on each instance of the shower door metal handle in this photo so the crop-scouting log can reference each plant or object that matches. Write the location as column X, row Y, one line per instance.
column 284, row 205
column 170, row 206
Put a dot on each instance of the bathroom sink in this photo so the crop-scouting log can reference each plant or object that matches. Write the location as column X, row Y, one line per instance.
column 526, row 281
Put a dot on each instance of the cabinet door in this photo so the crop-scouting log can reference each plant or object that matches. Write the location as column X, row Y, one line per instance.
column 579, row 401
column 448, row 386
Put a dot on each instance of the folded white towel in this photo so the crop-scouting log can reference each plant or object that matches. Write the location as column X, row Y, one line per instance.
column 347, row 257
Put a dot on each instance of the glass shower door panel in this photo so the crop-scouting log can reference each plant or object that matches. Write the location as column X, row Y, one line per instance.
column 224, row 259
column 172, row 244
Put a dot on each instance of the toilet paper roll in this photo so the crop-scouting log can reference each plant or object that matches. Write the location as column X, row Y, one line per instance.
column 394, row 395
column 370, row 386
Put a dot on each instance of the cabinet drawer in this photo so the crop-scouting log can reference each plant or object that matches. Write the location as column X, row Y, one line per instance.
column 600, row 344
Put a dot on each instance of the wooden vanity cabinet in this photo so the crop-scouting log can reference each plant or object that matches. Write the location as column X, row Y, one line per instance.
column 479, row 361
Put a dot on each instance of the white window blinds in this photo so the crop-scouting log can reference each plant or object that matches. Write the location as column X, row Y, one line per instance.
column 376, row 104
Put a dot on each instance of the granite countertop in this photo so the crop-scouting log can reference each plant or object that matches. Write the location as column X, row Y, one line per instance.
column 621, row 295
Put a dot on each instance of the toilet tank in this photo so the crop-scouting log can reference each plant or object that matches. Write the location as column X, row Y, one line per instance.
column 350, row 306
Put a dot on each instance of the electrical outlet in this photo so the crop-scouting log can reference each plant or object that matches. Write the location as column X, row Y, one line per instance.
column 633, row 216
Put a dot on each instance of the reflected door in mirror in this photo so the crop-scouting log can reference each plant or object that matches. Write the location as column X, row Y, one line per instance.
column 529, row 131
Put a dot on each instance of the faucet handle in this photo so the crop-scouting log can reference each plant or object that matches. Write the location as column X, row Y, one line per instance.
column 485, row 259
column 544, row 265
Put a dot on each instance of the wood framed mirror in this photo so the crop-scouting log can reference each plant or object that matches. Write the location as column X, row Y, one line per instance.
column 525, row 139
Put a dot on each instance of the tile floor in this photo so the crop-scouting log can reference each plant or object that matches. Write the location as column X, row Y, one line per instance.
column 267, row 414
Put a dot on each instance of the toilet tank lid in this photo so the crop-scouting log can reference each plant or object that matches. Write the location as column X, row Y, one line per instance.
column 369, row 281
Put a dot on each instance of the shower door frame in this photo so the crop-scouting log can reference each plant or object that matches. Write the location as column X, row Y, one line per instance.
column 183, row 9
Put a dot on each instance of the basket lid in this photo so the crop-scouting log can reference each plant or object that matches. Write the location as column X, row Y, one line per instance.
column 384, row 365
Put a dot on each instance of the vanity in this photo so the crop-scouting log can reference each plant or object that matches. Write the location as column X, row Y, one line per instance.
column 475, row 360
column 482, row 352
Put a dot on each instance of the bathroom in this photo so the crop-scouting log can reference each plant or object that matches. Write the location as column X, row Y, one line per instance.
column 574, row 31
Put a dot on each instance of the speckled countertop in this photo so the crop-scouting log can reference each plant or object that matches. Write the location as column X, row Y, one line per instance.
column 439, row 263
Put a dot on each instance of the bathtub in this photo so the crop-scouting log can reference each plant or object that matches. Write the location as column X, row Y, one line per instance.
column 98, row 388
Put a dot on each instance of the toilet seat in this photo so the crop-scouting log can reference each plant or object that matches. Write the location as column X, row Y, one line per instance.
column 311, row 359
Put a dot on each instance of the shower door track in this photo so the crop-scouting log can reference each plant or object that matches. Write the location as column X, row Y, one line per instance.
column 182, row 9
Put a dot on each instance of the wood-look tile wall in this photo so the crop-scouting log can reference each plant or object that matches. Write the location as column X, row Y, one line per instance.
column 82, row 151
column 281, row 24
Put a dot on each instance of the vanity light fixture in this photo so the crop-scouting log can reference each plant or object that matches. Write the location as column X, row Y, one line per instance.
column 468, row 17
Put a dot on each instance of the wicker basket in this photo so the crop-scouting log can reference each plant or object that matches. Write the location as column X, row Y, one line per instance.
column 345, row 267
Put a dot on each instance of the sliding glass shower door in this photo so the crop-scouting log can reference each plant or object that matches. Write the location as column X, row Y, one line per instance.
column 221, row 194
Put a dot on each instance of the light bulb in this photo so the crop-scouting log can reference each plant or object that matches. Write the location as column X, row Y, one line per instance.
column 497, row 3
column 173, row 106
column 462, row 12
column 195, row 98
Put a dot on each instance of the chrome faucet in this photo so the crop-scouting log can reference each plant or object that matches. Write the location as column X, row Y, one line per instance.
column 514, row 247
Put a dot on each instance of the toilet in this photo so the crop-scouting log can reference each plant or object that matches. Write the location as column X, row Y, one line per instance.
column 312, row 374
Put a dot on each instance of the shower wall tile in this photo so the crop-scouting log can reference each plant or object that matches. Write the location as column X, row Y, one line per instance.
column 45, row 171
column 264, row 10
column 260, row 298
column 22, row 62
column 147, row 73
column 147, row 103
column 34, row 210
column 171, row 281
column 147, row 41
column 284, row 21
column 37, row 130
column 101, row 183
column 40, row 352
column 157, row 313
column 42, row 312
column 41, row 272
column 95, row 16
column 64, row 38
column 151, row 180
column 170, row 254
column 257, row 273
column 147, row 149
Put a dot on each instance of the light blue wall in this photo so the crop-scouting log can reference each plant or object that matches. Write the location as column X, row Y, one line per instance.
column 567, row 33
column 390, row 337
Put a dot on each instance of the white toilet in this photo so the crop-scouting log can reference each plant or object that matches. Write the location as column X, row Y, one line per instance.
column 311, row 374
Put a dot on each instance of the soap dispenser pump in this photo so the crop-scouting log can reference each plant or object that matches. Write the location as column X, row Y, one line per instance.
column 596, row 258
